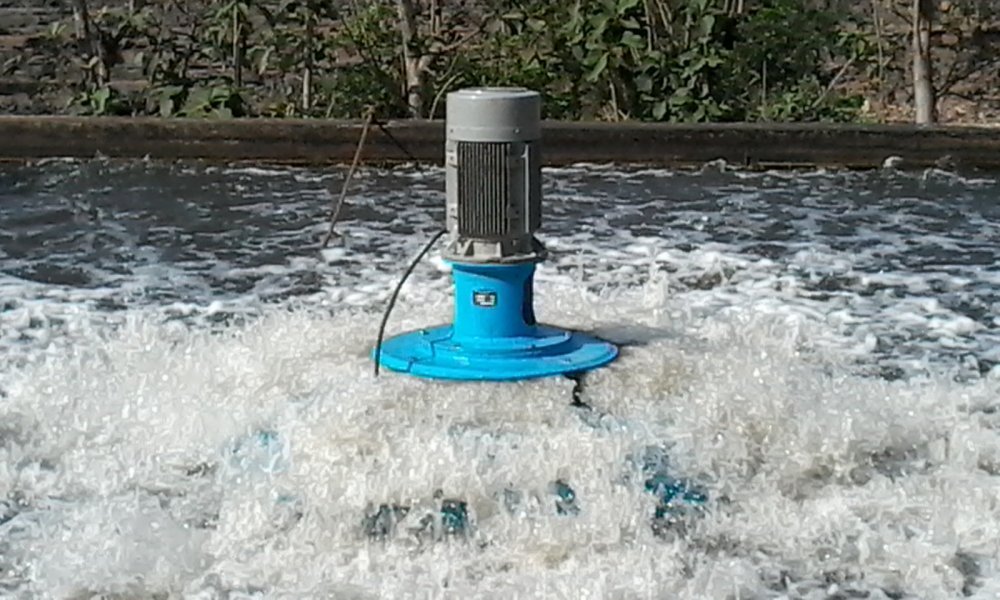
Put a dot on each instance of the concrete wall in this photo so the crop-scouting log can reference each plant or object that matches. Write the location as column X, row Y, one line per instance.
column 292, row 141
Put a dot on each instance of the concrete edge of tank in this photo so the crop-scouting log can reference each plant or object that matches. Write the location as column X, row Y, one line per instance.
column 319, row 142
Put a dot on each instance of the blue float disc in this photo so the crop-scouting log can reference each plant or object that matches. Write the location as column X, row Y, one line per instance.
column 434, row 353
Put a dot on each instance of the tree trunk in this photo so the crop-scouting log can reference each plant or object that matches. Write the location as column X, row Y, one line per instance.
column 879, row 49
column 414, row 65
column 923, row 75
column 81, row 20
column 92, row 37
column 436, row 19
column 237, row 47
column 307, row 64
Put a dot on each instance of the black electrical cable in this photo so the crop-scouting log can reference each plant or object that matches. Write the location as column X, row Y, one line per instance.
column 395, row 293
column 385, row 131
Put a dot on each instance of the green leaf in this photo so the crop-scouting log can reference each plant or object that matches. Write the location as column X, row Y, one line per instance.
column 680, row 97
column 528, row 54
column 626, row 5
column 197, row 101
column 706, row 25
column 100, row 100
column 696, row 66
column 166, row 106
column 170, row 91
column 599, row 23
column 660, row 109
column 598, row 68
column 575, row 37
column 536, row 24
column 631, row 40
column 594, row 56
column 644, row 83
column 262, row 60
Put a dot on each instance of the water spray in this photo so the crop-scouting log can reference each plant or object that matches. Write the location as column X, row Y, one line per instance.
column 493, row 183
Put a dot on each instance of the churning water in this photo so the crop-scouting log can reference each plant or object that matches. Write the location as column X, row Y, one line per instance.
column 188, row 407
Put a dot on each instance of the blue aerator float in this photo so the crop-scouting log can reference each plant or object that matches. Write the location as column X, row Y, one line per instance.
column 494, row 193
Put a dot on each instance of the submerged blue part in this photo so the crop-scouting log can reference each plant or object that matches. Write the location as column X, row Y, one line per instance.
column 668, row 490
column 672, row 493
column 565, row 498
column 494, row 335
column 516, row 501
column 382, row 522
column 454, row 516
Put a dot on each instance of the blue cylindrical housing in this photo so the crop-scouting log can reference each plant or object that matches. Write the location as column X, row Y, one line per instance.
column 494, row 335
column 493, row 301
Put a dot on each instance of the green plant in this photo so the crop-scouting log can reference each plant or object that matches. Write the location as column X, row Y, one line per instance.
column 191, row 101
column 218, row 100
column 169, row 49
column 101, row 102
column 681, row 80
column 298, row 45
column 376, row 78
column 654, row 60
column 520, row 48
column 618, row 58
column 780, row 62
column 227, row 28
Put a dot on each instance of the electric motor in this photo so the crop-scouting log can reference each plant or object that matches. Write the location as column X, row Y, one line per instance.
column 493, row 175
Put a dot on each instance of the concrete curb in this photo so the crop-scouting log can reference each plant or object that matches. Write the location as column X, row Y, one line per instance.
column 316, row 142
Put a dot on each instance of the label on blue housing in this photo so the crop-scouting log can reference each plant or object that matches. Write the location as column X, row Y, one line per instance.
column 484, row 299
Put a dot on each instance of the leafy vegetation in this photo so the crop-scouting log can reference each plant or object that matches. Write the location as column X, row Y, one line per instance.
column 655, row 60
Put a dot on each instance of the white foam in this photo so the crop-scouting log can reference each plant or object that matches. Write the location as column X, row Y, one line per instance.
column 108, row 432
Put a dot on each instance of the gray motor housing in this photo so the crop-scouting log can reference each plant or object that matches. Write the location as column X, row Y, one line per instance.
column 493, row 177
